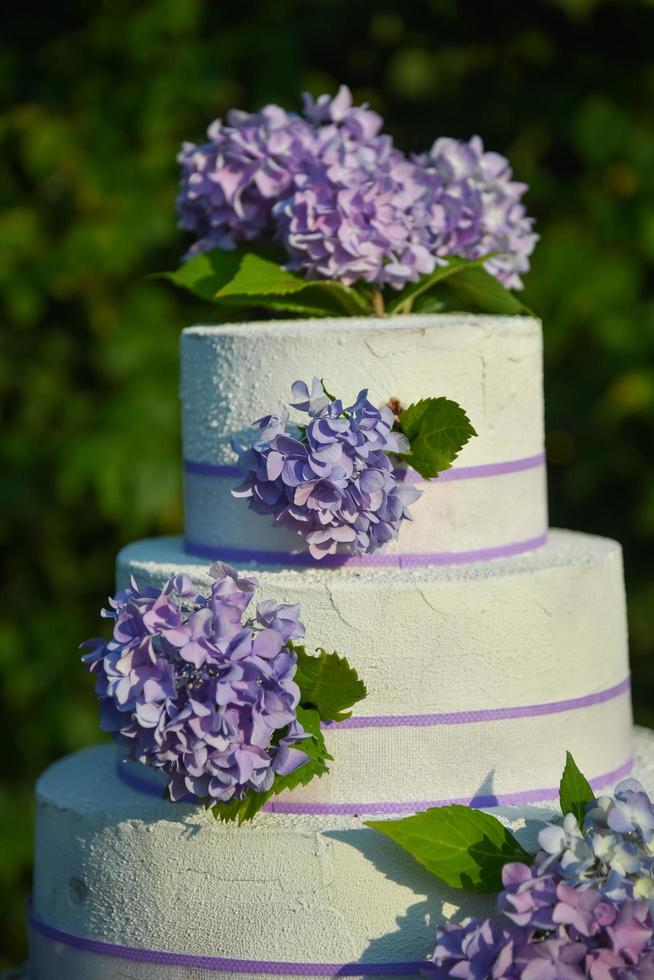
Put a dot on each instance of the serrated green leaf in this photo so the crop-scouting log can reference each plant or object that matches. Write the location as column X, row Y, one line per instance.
column 575, row 791
column 305, row 303
column 437, row 430
column 316, row 766
column 206, row 272
column 474, row 290
column 403, row 302
column 429, row 303
column 259, row 279
column 255, row 278
column 280, row 304
column 314, row 747
column 241, row 810
column 328, row 683
column 463, row 847
column 256, row 275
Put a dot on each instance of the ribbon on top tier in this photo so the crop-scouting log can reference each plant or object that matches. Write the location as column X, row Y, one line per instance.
column 200, row 468
column 334, row 476
column 510, row 520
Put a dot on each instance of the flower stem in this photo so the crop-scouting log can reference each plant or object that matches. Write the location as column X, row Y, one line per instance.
column 378, row 302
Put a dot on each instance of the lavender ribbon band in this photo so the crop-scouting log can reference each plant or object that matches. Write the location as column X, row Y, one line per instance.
column 199, row 468
column 128, row 774
column 303, row 559
column 481, row 714
column 219, row 964
column 521, row 798
column 289, row 806
column 481, row 471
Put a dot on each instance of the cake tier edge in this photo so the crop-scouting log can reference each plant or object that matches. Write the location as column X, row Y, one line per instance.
column 469, row 670
column 116, row 867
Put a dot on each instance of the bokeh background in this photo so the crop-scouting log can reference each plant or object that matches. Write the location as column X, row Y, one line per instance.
column 99, row 95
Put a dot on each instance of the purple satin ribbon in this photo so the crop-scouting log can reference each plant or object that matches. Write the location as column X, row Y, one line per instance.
column 522, row 798
column 481, row 714
column 228, row 471
column 198, row 468
column 479, row 472
column 221, row 964
column 129, row 774
column 129, row 777
column 303, row 559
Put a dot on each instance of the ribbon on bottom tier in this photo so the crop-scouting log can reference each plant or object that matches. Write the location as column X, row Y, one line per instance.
column 58, row 954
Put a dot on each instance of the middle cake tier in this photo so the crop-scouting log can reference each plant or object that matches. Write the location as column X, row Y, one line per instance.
column 479, row 678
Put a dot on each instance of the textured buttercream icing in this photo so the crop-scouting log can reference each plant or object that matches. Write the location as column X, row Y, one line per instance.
column 233, row 374
column 457, row 650
column 481, row 674
column 122, row 867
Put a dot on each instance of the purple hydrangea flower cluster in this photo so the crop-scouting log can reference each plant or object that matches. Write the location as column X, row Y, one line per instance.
column 189, row 686
column 475, row 208
column 344, row 202
column 230, row 184
column 330, row 480
column 585, row 908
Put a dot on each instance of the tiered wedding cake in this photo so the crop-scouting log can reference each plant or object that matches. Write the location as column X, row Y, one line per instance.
column 489, row 647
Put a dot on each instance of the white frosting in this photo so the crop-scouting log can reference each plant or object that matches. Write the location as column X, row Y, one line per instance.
column 549, row 626
column 544, row 627
column 233, row 374
column 122, row 867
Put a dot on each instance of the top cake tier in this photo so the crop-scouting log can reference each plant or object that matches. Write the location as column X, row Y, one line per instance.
column 492, row 503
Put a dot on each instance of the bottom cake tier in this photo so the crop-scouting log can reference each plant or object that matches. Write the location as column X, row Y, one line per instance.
column 128, row 885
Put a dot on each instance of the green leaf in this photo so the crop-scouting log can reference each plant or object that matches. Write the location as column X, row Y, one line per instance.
column 255, row 278
column 316, row 766
column 278, row 304
column 306, row 303
column 437, row 430
column 314, row 747
column 473, row 289
column 241, row 810
column 206, row 272
column 463, row 847
column 259, row 280
column 575, row 790
column 403, row 302
column 331, row 397
column 256, row 275
column 328, row 684
column 462, row 284
column 430, row 303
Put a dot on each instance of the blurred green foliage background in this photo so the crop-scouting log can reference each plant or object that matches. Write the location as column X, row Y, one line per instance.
column 97, row 97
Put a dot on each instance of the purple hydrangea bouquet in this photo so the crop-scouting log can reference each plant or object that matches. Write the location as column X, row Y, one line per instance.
column 319, row 214
column 228, row 705
column 582, row 906
column 339, row 479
